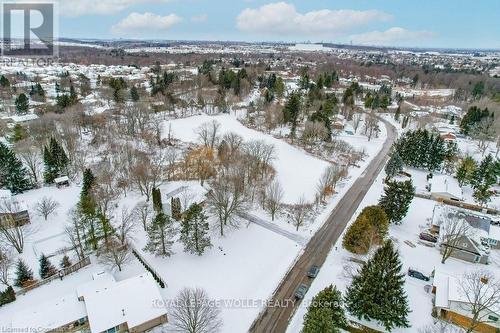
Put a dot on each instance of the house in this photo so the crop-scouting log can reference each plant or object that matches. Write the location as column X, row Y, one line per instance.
column 102, row 305
column 62, row 181
column 12, row 211
column 444, row 187
column 470, row 247
column 338, row 122
column 452, row 304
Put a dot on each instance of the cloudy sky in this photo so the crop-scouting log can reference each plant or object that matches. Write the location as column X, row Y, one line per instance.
column 432, row 23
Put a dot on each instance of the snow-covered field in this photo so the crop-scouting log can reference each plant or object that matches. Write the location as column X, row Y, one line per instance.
column 297, row 172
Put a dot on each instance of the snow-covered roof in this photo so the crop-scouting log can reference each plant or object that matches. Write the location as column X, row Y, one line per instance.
column 100, row 281
column 23, row 118
column 480, row 222
column 494, row 232
column 129, row 301
column 50, row 315
column 446, row 184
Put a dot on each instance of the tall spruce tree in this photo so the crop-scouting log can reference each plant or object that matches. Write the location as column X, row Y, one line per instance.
column 291, row 111
column 55, row 161
column 157, row 203
column 13, row 175
column 46, row 267
column 325, row 314
column 377, row 292
column 394, row 165
column 396, row 199
column 22, row 104
column 160, row 236
column 23, row 274
column 194, row 232
column 175, row 204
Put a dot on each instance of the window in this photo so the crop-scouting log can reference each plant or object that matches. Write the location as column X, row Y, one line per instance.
column 113, row 330
column 493, row 318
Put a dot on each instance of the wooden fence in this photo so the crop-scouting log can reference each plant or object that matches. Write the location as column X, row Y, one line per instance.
column 61, row 273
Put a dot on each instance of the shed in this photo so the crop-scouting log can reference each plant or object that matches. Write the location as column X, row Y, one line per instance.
column 61, row 181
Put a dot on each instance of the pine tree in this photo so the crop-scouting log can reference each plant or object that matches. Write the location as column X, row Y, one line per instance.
column 157, row 203
column 394, row 165
column 325, row 314
column 377, row 292
column 4, row 82
column 396, row 199
column 134, row 94
column 194, row 233
column 175, row 204
column 65, row 262
column 397, row 114
column 88, row 181
column 55, row 161
column 22, row 104
column 160, row 236
column 465, row 170
column 13, row 175
column 46, row 267
column 291, row 111
column 483, row 178
column 23, row 274
column 7, row 296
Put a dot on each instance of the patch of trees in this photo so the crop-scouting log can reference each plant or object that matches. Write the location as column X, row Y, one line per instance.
column 380, row 99
column 424, row 149
column 160, row 83
column 55, row 160
column 66, row 100
column 37, row 92
column 274, row 85
column 480, row 176
column 473, row 117
column 229, row 79
column 377, row 291
column 22, row 104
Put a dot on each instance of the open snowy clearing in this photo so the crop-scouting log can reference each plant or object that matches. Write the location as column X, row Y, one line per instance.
column 297, row 172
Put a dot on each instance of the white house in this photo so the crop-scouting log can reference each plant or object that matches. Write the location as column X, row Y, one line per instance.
column 445, row 187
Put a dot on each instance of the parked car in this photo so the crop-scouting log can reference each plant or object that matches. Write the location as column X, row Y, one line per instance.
column 428, row 237
column 418, row 275
column 313, row 271
column 301, row 291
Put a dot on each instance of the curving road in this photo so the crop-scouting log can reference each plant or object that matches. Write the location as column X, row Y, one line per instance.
column 274, row 319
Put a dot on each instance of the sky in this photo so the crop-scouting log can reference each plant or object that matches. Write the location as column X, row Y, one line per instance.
column 419, row 23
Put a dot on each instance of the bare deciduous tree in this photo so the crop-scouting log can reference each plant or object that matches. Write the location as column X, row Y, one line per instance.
column 31, row 157
column 46, row 206
column 194, row 312
column 146, row 173
column 481, row 289
column 453, row 231
column 274, row 197
column 226, row 198
column 356, row 121
column 208, row 133
column 126, row 227
column 75, row 234
column 116, row 255
column 371, row 127
column 300, row 211
column 6, row 264
column 143, row 211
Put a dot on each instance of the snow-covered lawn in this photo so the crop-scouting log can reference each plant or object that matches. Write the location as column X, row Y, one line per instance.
column 297, row 172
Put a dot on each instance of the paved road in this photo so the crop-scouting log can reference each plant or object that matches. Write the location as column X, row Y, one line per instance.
column 275, row 319
column 274, row 228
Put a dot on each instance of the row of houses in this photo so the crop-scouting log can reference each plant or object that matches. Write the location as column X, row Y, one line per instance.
column 102, row 305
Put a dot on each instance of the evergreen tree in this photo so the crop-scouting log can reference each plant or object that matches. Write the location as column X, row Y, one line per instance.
column 46, row 267
column 175, row 204
column 13, row 175
column 194, row 233
column 65, row 262
column 291, row 111
column 23, row 274
column 377, row 292
column 465, row 170
column 19, row 133
column 88, row 181
column 483, row 178
column 369, row 228
column 4, row 82
column 397, row 114
column 394, row 165
column 22, row 104
column 157, row 203
column 55, row 161
column 161, row 233
column 7, row 296
column 396, row 199
column 134, row 94
column 325, row 314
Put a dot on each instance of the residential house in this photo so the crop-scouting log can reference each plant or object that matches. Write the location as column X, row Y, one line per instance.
column 452, row 304
column 470, row 247
column 12, row 212
column 102, row 305
column 444, row 187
